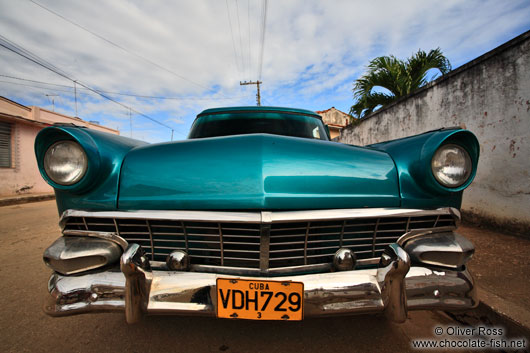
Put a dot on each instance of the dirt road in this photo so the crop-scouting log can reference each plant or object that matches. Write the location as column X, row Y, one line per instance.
column 26, row 230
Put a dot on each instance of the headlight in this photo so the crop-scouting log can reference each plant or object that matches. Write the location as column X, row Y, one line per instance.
column 65, row 162
column 451, row 165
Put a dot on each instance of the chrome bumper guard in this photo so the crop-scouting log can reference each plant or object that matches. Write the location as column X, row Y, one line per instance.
column 392, row 289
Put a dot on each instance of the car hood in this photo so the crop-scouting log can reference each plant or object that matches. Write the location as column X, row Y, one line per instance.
column 256, row 171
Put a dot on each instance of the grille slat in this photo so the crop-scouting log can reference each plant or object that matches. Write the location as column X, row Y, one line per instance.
column 242, row 229
column 175, row 248
column 241, row 236
column 242, row 251
column 238, row 245
column 284, row 250
column 357, row 239
column 168, row 240
column 167, row 233
column 127, row 233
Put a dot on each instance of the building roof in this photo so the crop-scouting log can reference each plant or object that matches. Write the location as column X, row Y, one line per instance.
column 330, row 109
column 14, row 103
column 334, row 117
column 35, row 115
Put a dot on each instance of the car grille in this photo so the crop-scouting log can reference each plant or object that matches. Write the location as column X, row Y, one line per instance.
column 246, row 245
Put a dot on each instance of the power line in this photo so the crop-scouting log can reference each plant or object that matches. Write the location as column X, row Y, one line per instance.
column 262, row 42
column 56, row 90
column 13, row 47
column 28, row 80
column 249, row 48
column 117, row 93
column 44, row 88
column 121, row 47
column 240, row 40
column 233, row 40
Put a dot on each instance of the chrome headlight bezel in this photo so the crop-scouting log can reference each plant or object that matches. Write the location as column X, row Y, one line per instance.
column 439, row 161
column 79, row 158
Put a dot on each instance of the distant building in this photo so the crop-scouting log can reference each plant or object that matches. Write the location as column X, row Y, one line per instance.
column 335, row 119
column 19, row 125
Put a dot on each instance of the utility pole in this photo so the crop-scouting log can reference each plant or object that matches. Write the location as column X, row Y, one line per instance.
column 53, row 99
column 130, row 119
column 257, row 83
column 75, row 95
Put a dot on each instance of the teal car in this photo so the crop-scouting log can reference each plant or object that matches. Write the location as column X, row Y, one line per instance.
column 257, row 215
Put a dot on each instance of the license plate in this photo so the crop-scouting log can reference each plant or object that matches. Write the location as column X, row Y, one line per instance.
column 259, row 300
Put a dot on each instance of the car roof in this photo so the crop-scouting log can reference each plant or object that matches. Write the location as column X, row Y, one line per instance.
column 254, row 108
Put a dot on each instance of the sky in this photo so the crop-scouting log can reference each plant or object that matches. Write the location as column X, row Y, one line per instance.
column 194, row 54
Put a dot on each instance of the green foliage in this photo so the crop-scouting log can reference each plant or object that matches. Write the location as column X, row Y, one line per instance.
column 397, row 76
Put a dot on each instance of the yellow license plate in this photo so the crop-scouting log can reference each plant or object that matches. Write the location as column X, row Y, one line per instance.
column 259, row 300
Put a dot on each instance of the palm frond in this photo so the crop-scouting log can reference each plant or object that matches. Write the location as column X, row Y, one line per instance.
column 397, row 76
column 369, row 103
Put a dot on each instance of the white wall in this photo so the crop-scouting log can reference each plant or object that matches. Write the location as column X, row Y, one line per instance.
column 491, row 97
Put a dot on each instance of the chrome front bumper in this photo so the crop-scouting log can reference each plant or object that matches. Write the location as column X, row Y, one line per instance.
column 392, row 289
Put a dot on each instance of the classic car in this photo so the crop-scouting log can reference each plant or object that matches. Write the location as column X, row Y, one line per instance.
column 257, row 215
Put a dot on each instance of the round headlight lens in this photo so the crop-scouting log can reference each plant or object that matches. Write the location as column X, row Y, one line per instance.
column 65, row 162
column 451, row 166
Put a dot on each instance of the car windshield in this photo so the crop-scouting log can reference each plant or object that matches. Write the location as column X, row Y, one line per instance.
column 239, row 123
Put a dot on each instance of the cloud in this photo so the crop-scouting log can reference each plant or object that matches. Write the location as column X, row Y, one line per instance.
column 313, row 52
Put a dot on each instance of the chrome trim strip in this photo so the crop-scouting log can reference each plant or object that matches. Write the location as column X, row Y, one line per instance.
column 185, row 231
column 116, row 226
column 266, row 217
column 150, row 238
column 342, row 233
column 307, row 228
column 225, row 270
column 221, row 248
column 340, row 214
column 262, row 217
column 245, row 271
column 213, row 216
column 102, row 235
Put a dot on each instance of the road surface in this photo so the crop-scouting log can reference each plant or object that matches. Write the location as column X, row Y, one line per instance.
column 27, row 229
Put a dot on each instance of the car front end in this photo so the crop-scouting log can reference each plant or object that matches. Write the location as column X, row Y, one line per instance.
column 258, row 226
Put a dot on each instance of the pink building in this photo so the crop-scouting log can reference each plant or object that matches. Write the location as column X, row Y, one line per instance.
column 18, row 127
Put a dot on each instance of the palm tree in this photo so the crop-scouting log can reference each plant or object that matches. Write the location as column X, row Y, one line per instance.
column 397, row 76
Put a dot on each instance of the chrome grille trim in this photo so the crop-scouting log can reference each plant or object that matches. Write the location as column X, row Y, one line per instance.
column 261, row 242
column 263, row 217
